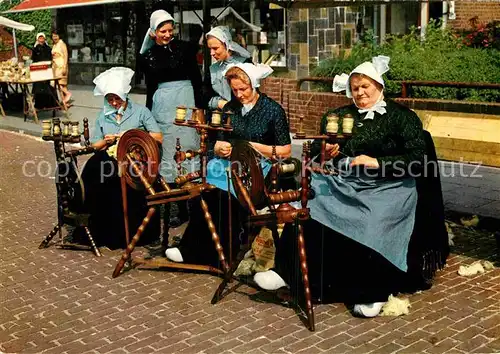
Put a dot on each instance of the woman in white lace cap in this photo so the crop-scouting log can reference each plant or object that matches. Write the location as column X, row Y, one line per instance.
column 100, row 175
column 225, row 52
column 367, row 237
column 173, row 79
column 262, row 122
column 45, row 94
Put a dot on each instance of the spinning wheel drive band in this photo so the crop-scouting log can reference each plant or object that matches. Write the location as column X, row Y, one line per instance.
column 144, row 150
column 245, row 162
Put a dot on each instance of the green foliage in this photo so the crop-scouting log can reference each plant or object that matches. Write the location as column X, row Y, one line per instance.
column 42, row 20
column 441, row 56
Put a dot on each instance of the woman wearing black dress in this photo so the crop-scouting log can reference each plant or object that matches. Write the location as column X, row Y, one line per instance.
column 44, row 93
column 173, row 79
column 377, row 228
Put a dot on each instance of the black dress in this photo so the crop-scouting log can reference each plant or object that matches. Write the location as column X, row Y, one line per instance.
column 342, row 270
column 44, row 93
column 265, row 123
column 103, row 201
column 175, row 61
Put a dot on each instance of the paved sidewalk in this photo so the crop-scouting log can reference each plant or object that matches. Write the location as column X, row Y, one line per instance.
column 57, row 301
column 466, row 188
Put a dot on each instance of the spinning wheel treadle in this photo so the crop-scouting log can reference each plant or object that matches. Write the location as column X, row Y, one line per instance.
column 245, row 163
column 146, row 155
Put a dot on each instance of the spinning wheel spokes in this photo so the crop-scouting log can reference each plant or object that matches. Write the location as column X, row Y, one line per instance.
column 246, row 165
column 144, row 151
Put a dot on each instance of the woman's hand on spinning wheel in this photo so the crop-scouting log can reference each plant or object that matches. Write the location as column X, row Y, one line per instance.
column 223, row 149
column 332, row 150
column 221, row 104
column 110, row 139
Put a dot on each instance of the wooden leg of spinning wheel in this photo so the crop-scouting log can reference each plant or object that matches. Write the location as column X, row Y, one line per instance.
column 49, row 237
column 135, row 239
column 229, row 275
column 215, row 236
column 305, row 278
column 92, row 243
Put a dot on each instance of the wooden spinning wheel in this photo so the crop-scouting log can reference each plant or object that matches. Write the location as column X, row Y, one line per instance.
column 138, row 147
column 245, row 166
column 138, row 156
column 249, row 185
column 70, row 187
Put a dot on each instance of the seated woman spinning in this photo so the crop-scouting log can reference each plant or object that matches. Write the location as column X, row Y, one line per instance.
column 257, row 119
column 100, row 175
column 371, row 232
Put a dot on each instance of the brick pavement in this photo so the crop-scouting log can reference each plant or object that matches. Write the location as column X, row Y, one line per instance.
column 56, row 301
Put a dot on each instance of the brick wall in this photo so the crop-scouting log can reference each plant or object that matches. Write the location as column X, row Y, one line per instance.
column 310, row 105
column 486, row 11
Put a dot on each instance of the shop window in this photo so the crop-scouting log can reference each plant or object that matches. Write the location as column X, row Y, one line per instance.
column 269, row 45
column 96, row 34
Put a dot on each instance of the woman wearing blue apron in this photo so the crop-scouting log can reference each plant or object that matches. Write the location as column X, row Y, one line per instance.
column 100, row 175
column 262, row 122
column 173, row 79
column 377, row 228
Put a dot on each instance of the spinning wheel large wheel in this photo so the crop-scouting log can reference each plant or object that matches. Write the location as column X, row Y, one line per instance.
column 143, row 150
column 245, row 163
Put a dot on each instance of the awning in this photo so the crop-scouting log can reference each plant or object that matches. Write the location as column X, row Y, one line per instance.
column 4, row 21
column 33, row 5
column 189, row 17
column 335, row 3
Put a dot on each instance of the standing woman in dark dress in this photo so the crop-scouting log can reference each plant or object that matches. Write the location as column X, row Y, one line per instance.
column 377, row 228
column 262, row 122
column 173, row 79
column 44, row 93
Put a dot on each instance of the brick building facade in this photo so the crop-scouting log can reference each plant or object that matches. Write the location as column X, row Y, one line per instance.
column 465, row 10
column 315, row 34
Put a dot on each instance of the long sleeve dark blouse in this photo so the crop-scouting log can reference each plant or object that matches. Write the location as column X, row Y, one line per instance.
column 265, row 123
column 173, row 62
column 395, row 139
column 41, row 52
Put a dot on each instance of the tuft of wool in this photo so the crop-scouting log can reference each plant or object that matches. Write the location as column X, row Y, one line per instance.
column 396, row 307
column 451, row 235
column 473, row 221
column 488, row 265
column 470, row 270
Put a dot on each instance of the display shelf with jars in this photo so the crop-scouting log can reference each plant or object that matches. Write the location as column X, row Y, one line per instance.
column 98, row 37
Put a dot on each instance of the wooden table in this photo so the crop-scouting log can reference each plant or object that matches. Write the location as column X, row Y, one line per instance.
column 28, row 96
